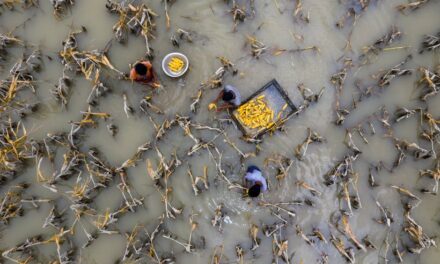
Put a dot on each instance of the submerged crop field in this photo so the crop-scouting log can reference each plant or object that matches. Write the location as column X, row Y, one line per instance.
column 113, row 152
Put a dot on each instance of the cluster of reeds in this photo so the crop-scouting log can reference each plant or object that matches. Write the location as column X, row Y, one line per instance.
column 135, row 18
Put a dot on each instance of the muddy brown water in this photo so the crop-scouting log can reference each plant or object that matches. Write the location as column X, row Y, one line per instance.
column 212, row 25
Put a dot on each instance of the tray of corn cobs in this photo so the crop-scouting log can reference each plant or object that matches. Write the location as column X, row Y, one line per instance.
column 262, row 110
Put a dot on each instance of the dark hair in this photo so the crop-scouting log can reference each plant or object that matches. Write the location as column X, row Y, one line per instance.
column 252, row 168
column 140, row 68
column 254, row 191
column 228, row 96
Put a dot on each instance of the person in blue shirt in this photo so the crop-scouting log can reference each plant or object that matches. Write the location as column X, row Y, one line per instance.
column 255, row 180
column 230, row 96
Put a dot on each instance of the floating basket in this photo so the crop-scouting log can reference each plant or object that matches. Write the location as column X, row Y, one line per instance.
column 276, row 98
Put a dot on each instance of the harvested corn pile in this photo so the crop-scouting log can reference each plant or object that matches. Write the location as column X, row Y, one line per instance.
column 256, row 113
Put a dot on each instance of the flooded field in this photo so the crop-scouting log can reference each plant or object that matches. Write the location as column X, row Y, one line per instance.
column 98, row 169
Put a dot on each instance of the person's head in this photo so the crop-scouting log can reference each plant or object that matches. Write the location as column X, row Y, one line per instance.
column 140, row 68
column 252, row 168
column 255, row 190
column 228, row 96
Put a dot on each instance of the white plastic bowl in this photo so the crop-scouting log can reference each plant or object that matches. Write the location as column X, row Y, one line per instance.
column 168, row 57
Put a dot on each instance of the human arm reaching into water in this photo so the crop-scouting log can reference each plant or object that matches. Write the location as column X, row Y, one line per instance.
column 225, row 106
column 228, row 97
column 219, row 96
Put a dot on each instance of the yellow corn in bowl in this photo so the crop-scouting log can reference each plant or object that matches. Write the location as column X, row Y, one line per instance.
column 175, row 64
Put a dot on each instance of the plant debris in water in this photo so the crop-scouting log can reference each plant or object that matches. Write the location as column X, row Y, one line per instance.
column 208, row 158
column 136, row 19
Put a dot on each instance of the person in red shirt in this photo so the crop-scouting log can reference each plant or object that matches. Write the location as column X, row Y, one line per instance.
column 142, row 72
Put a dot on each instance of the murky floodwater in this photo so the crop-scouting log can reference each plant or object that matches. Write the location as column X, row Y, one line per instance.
column 211, row 27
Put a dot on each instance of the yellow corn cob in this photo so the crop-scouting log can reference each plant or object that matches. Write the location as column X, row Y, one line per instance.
column 175, row 64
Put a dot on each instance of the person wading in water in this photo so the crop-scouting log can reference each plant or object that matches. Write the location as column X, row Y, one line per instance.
column 230, row 96
column 143, row 72
column 255, row 181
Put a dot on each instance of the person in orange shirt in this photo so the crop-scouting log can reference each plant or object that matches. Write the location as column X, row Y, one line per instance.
column 142, row 72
